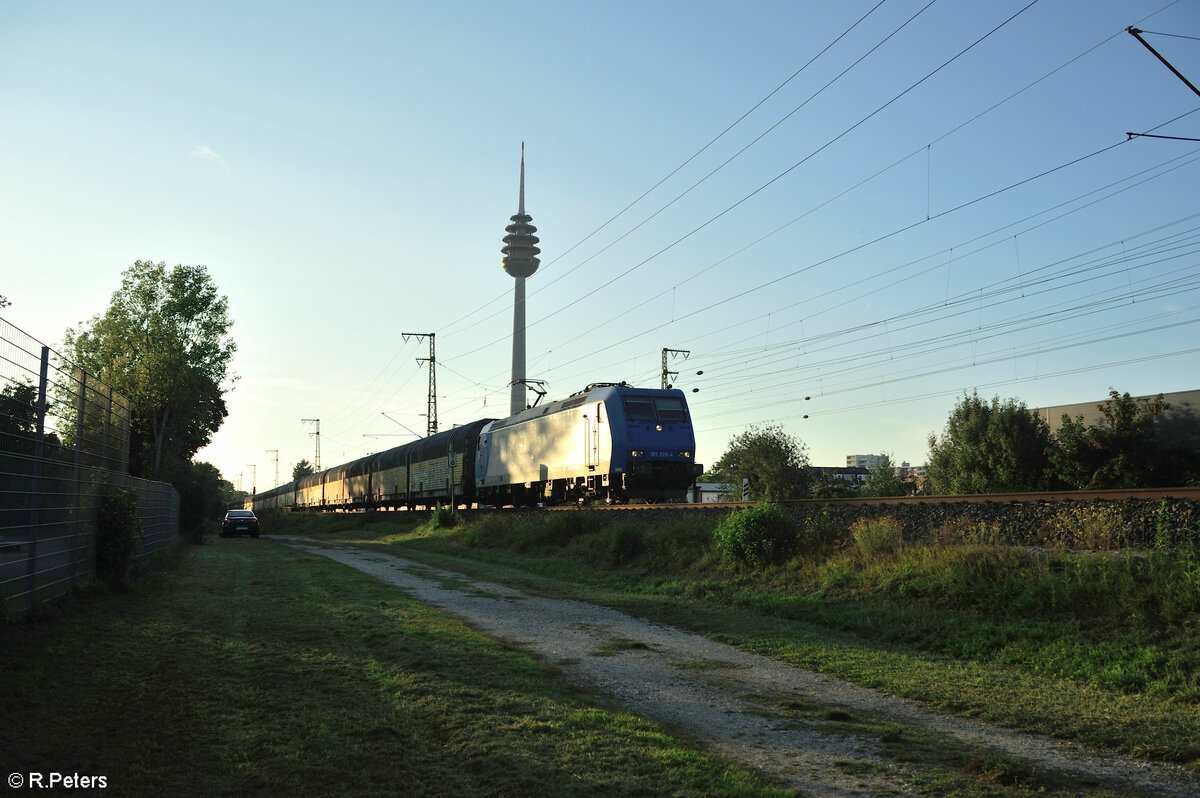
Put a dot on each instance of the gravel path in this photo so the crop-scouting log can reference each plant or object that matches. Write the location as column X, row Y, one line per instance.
column 732, row 700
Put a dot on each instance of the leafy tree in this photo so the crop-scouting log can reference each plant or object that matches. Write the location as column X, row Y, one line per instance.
column 302, row 469
column 163, row 342
column 1119, row 452
column 826, row 484
column 774, row 461
column 202, row 497
column 990, row 448
column 18, row 417
column 19, row 420
column 882, row 480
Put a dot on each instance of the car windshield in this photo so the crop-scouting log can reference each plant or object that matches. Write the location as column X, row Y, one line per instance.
column 239, row 514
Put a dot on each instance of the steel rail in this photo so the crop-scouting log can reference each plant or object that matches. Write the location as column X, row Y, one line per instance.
column 1150, row 494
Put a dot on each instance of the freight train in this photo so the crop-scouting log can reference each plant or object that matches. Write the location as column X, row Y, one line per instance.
column 610, row 441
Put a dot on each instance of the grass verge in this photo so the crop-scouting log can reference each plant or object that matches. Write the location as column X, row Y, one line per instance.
column 1029, row 643
column 251, row 668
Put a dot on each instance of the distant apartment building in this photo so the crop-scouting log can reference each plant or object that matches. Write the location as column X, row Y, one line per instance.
column 855, row 476
column 903, row 471
column 863, row 460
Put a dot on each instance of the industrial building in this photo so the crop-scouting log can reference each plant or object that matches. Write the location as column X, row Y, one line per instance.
column 1178, row 426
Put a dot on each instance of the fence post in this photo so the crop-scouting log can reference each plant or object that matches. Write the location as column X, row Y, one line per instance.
column 78, row 474
column 40, row 440
column 35, row 497
column 108, row 463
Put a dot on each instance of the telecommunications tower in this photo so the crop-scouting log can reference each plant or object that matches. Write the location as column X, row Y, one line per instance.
column 520, row 261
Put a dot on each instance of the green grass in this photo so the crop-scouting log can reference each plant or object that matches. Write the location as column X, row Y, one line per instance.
column 249, row 667
column 1103, row 649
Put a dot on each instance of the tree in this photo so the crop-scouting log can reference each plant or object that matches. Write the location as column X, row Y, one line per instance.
column 1119, row 452
column 302, row 469
column 990, row 448
column 20, row 420
column 18, row 417
column 163, row 342
column 824, row 483
column 882, row 480
column 773, row 461
column 202, row 497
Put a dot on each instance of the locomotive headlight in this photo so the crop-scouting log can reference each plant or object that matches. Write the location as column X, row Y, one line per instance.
column 686, row 455
column 637, row 453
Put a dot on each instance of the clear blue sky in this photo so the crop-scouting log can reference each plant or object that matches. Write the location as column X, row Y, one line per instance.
column 345, row 171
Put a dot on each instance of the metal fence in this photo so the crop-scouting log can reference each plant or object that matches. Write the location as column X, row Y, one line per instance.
column 64, row 445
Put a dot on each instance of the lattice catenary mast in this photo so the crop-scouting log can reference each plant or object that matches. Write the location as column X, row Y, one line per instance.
column 431, row 403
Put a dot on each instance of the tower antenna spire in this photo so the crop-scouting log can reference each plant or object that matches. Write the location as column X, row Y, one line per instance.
column 521, row 199
column 520, row 261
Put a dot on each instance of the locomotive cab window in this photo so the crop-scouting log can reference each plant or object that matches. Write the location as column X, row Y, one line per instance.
column 639, row 408
column 670, row 408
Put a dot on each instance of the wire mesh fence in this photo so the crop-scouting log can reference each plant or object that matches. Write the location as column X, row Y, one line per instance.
column 64, row 445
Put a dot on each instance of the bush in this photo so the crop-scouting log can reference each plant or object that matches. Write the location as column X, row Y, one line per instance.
column 625, row 542
column 492, row 531
column 444, row 517
column 1096, row 527
column 876, row 537
column 756, row 536
column 118, row 531
column 965, row 530
column 818, row 533
column 559, row 529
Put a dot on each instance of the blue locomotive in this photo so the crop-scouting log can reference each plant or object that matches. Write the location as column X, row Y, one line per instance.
column 609, row 441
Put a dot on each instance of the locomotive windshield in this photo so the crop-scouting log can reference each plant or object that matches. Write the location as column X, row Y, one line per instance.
column 655, row 408
column 670, row 408
column 639, row 408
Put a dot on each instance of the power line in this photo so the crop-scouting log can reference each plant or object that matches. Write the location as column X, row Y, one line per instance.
column 674, row 171
column 631, row 205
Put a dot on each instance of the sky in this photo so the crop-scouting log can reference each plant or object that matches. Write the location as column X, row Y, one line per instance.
column 848, row 215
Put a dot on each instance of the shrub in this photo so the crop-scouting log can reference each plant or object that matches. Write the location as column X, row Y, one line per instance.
column 876, row 537
column 118, row 531
column 1097, row 527
column 493, row 531
column 818, row 533
column 966, row 530
column 756, row 536
column 444, row 517
column 625, row 542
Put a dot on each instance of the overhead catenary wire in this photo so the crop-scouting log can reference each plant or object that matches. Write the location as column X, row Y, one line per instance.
column 482, row 383
column 673, row 172
column 1083, row 275
column 1085, row 195
column 792, row 168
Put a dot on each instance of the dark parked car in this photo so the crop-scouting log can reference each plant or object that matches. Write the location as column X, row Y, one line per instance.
column 239, row 522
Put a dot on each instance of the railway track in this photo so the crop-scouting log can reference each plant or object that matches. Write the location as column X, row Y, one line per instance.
column 1150, row 494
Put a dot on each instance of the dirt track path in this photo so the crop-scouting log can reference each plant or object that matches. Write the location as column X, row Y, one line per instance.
column 716, row 692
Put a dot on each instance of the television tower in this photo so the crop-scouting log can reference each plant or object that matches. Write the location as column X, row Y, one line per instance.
column 520, row 261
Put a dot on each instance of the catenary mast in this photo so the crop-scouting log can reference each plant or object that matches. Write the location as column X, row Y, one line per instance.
column 520, row 261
